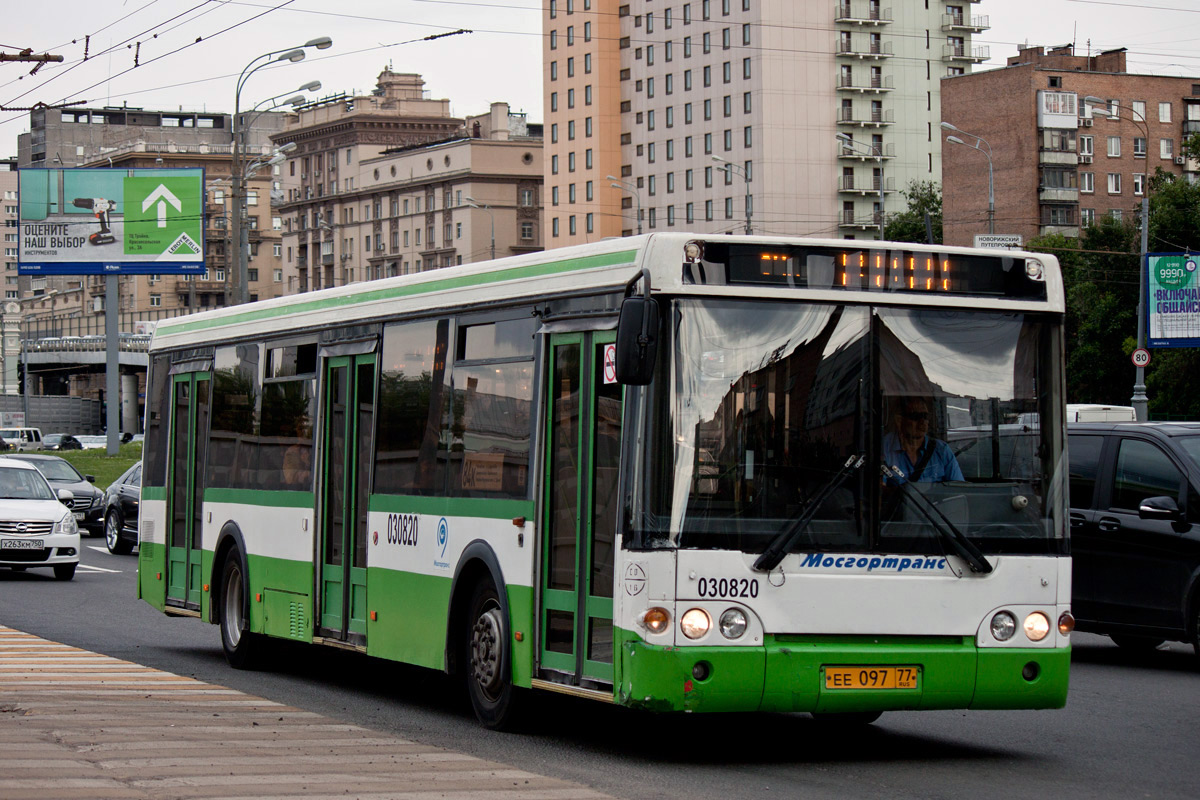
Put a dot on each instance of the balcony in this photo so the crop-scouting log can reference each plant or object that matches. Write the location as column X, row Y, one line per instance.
column 875, row 118
column 871, row 221
column 863, row 52
column 862, row 151
column 1191, row 126
column 973, row 55
column 865, row 186
column 964, row 23
column 861, row 14
column 875, row 84
column 1047, row 194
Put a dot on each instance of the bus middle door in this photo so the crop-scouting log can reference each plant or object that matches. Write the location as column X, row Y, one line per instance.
column 188, row 446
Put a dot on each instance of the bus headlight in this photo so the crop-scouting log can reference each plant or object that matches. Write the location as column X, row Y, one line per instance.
column 695, row 623
column 1004, row 625
column 1037, row 626
column 656, row 619
column 1034, row 269
column 732, row 623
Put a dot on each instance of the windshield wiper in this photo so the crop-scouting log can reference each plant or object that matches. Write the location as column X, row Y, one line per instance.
column 783, row 542
column 946, row 530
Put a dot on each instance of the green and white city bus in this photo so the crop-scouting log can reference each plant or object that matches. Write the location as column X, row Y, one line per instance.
column 659, row 471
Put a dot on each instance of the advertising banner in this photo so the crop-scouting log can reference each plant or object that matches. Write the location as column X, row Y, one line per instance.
column 1173, row 300
column 111, row 221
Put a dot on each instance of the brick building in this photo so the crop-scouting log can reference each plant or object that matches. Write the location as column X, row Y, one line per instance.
column 1057, row 165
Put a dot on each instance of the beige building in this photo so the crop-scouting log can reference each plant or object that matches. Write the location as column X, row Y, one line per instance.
column 729, row 110
column 390, row 184
column 9, row 213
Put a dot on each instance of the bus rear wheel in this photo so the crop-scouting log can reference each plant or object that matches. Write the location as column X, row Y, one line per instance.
column 493, row 697
column 242, row 648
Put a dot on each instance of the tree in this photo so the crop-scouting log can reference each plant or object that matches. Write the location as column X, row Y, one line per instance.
column 924, row 197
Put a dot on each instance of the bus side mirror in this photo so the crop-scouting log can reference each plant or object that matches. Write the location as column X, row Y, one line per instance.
column 637, row 340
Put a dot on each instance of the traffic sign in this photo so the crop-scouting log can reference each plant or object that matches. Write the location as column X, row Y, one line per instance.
column 1141, row 357
column 1010, row 241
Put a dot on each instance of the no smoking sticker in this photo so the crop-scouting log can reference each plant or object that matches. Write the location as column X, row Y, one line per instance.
column 610, row 363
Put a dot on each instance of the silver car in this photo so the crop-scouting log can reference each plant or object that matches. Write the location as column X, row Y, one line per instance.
column 37, row 527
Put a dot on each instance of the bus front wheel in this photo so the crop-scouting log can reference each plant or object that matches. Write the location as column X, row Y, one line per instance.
column 493, row 697
column 241, row 647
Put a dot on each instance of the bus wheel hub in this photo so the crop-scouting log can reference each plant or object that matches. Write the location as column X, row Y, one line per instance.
column 485, row 650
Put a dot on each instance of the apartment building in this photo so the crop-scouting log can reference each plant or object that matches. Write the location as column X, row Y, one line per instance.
column 1057, row 161
column 390, row 183
column 9, row 213
column 729, row 112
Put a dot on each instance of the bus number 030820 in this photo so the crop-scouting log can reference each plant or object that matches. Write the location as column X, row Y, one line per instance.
column 728, row 587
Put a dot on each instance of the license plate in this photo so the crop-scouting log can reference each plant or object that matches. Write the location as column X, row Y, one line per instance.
column 79, row 517
column 871, row 677
column 21, row 544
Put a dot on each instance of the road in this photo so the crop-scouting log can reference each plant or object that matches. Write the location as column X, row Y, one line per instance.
column 1128, row 729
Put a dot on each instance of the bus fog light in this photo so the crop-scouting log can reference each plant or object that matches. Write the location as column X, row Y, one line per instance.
column 1066, row 623
column 1004, row 625
column 695, row 623
column 1037, row 626
column 656, row 619
column 733, row 623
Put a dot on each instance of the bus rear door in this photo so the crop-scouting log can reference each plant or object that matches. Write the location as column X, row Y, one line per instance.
column 188, row 446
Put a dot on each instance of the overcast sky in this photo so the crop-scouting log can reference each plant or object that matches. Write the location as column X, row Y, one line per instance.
column 500, row 60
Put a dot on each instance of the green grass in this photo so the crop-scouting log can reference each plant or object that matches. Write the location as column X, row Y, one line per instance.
column 97, row 462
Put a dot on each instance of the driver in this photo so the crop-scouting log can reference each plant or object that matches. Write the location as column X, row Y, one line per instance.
column 909, row 448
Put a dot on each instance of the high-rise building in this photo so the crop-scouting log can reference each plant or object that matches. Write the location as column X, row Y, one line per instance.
column 9, row 213
column 727, row 111
column 1058, row 162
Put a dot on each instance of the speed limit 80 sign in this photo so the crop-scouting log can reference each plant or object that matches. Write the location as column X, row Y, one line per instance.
column 1140, row 357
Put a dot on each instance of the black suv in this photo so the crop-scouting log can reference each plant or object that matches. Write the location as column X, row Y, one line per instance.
column 1135, row 530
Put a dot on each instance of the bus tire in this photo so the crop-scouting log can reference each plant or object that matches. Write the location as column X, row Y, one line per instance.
column 493, row 697
column 242, row 648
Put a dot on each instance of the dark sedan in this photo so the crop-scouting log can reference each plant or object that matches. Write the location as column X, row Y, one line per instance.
column 121, row 511
column 61, row 441
column 88, row 504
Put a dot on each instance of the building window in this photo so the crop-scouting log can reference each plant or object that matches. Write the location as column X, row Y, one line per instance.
column 1139, row 147
column 1138, row 107
column 1166, row 149
column 1085, row 145
column 526, row 231
column 1114, row 146
column 155, row 299
column 1164, row 112
column 1087, row 182
column 1087, row 216
column 1139, row 183
column 1114, row 183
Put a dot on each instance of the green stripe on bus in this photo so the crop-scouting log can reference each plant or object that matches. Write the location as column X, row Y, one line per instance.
column 479, row 507
column 260, row 497
column 396, row 292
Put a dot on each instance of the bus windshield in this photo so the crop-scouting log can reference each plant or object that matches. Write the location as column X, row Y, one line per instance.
column 867, row 429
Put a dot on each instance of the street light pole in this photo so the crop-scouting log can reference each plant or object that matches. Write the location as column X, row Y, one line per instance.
column 1140, row 401
column 237, row 233
column 617, row 183
column 876, row 152
column 483, row 207
column 980, row 144
column 734, row 168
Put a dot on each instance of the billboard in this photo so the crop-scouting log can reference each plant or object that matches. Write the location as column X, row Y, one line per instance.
column 1173, row 300
column 111, row 221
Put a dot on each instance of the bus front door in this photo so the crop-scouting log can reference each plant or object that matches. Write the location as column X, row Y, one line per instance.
column 343, row 486
column 581, row 509
column 189, row 443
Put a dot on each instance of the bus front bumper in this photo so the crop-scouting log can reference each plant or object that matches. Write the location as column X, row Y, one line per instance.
column 947, row 673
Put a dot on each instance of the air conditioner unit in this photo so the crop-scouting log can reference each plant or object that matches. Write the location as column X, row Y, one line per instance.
column 1085, row 159
column 1087, row 123
column 1180, row 160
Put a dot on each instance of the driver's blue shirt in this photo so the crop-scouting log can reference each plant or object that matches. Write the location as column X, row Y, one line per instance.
column 942, row 465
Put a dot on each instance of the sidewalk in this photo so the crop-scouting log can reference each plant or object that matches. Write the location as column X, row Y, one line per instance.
column 75, row 724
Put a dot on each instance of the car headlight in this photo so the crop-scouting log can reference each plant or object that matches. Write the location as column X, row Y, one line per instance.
column 695, row 623
column 1037, row 626
column 66, row 525
column 732, row 623
column 1004, row 625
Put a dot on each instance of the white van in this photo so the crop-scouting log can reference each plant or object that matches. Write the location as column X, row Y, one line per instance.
column 1093, row 412
column 22, row 438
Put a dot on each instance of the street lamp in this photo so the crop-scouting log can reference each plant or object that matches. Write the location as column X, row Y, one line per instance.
column 1140, row 401
column 731, row 167
column 876, row 152
column 626, row 186
column 275, row 56
column 980, row 145
column 483, row 207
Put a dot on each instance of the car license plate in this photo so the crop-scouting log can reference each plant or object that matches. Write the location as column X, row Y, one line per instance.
column 79, row 516
column 21, row 544
column 871, row 677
